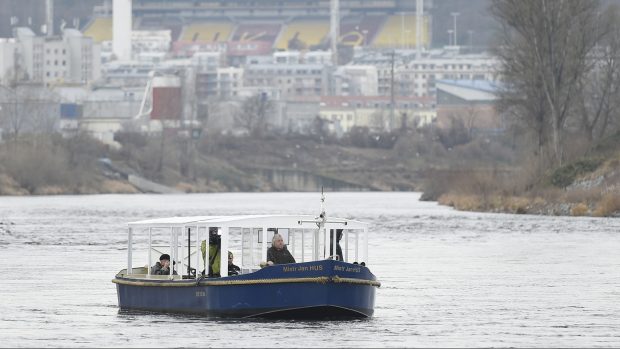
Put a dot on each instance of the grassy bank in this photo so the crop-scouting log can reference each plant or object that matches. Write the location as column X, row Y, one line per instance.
column 586, row 187
column 51, row 165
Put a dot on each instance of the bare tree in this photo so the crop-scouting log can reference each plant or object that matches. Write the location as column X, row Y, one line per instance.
column 42, row 106
column 600, row 88
column 379, row 120
column 11, row 119
column 206, row 112
column 471, row 114
column 544, row 47
column 28, row 109
column 522, row 99
column 254, row 113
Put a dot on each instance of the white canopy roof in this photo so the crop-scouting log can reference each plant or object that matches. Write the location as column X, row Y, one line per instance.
column 253, row 221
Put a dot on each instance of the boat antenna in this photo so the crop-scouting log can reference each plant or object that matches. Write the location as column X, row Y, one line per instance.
column 323, row 216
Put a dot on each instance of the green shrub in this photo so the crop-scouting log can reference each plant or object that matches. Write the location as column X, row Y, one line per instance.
column 565, row 175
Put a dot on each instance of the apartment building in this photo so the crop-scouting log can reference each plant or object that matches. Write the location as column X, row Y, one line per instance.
column 293, row 80
column 411, row 75
column 68, row 59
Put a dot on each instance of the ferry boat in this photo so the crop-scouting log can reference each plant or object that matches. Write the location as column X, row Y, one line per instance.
column 318, row 285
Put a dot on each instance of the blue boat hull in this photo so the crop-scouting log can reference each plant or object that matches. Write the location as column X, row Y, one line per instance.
column 324, row 289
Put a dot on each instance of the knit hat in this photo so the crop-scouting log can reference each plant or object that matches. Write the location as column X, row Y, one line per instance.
column 164, row 256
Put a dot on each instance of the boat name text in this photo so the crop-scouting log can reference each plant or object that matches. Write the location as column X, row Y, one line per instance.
column 348, row 269
column 303, row 268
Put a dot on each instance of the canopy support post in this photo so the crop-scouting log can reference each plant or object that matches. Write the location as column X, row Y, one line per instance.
column 224, row 252
column 129, row 250
column 148, row 264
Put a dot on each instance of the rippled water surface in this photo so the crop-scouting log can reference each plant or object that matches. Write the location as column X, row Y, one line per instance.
column 448, row 278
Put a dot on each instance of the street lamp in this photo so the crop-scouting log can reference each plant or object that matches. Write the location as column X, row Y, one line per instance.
column 455, row 14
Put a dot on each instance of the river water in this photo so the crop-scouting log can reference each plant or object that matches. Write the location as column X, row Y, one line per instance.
column 449, row 279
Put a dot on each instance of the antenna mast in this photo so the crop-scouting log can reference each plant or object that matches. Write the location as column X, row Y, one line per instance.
column 322, row 215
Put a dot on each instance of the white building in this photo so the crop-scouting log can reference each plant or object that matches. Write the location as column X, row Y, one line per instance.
column 72, row 58
column 146, row 45
column 29, row 54
column 356, row 80
column 416, row 77
column 297, row 57
column 291, row 79
column 127, row 73
column 150, row 41
column 207, row 61
column 224, row 83
column 287, row 57
column 318, row 57
column 84, row 57
column 8, row 50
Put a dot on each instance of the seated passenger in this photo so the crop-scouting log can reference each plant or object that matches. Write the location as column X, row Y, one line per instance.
column 232, row 268
column 277, row 253
column 163, row 266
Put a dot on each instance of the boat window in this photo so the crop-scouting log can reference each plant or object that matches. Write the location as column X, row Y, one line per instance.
column 251, row 247
column 284, row 233
column 301, row 244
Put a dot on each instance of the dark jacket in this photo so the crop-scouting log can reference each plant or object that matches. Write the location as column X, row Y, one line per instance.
column 233, row 270
column 339, row 234
column 282, row 256
column 157, row 269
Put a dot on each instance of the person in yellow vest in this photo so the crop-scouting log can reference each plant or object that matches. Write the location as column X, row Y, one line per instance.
column 215, row 243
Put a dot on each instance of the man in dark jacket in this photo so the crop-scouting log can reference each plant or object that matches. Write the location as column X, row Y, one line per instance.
column 339, row 233
column 277, row 253
column 232, row 268
column 163, row 266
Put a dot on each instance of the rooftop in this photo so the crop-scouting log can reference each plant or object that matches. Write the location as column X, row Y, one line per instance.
column 480, row 85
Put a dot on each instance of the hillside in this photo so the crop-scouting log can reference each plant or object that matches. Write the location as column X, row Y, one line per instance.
column 52, row 165
column 588, row 186
column 481, row 175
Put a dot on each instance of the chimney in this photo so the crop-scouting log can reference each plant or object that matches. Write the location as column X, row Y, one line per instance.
column 121, row 30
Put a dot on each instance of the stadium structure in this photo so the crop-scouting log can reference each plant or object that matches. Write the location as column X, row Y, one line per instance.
column 244, row 27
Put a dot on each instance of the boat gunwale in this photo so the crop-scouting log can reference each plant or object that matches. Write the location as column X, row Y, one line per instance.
column 236, row 282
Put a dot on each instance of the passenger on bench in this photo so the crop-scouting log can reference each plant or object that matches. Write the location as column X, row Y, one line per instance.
column 163, row 266
column 277, row 253
column 232, row 268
